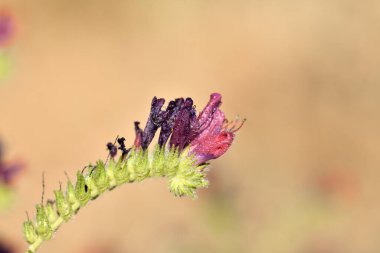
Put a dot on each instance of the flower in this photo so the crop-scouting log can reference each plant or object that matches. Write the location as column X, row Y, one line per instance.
column 206, row 136
column 8, row 170
column 214, row 134
column 186, row 143
column 7, row 27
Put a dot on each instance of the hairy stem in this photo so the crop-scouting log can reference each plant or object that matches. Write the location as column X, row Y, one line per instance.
column 184, row 175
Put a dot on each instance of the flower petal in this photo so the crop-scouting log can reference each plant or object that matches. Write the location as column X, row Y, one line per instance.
column 170, row 115
column 206, row 116
column 212, row 146
column 154, row 121
column 139, row 135
column 182, row 126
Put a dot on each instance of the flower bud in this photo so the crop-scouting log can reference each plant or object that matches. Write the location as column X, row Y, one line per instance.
column 81, row 190
column 42, row 222
column 63, row 207
column 30, row 232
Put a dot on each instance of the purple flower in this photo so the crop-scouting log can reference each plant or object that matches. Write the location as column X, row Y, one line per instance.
column 5, row 248
column 214, row 135
column 207, row 136
column 7, row 28
column 155, row 120
column 8, row 170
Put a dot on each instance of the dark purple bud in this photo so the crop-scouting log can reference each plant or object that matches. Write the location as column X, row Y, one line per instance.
column 122, row 147
column 170, row 115
column 111, row 149
column 121, row 141
column 194, row 125
column 182, row 126
column 139, row 135
column 154, row 121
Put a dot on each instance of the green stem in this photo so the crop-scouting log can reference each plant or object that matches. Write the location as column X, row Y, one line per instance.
column 184, row 178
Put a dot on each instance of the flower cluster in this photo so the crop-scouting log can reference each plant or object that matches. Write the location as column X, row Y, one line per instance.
column 207, row 136
column 186, row 143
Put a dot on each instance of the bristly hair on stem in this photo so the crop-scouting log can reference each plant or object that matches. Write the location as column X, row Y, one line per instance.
column 186, row 143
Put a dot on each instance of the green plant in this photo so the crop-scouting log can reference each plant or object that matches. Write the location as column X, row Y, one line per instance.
column 193, row 142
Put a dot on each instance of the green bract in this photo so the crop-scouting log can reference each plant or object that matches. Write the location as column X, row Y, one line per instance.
column 184, row 175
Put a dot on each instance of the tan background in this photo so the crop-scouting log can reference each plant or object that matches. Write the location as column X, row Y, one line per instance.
column 303, row 174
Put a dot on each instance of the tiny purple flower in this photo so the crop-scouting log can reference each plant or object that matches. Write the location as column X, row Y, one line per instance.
column 7, row 27
column 8, row 170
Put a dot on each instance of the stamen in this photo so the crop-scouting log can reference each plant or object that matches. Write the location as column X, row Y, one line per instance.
column 226, row 124
column 234, row 129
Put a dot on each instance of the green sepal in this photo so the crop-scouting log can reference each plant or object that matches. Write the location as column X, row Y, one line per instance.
column 51, row 213
column 71, row 198
column 130, row 165
column 186, row 177
column 185, row 185
column 157, row 166
column 171, row 163
column 99, row 175
column 63, row 206
column 111, row 174
column 82, row 191
column 120, row 172
column 42, row 223
column 94, row 192
column 30, row 232
column 142, row 168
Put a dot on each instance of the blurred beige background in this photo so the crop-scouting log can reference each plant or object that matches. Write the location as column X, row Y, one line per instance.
column 302, row 176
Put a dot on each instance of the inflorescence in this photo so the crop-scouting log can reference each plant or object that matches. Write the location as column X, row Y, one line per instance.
column 185, row 145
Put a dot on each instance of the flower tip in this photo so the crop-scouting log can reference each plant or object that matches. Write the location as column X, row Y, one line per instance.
column 139, row 135
column 158, row 102
column 188, row 102
column 215, row 98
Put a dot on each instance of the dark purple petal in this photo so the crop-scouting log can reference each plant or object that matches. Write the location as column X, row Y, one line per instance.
column 122, row 147
column 154, row 121
column 139, row 135
column 170, row 115
column 182, row 126
column 112, row 149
